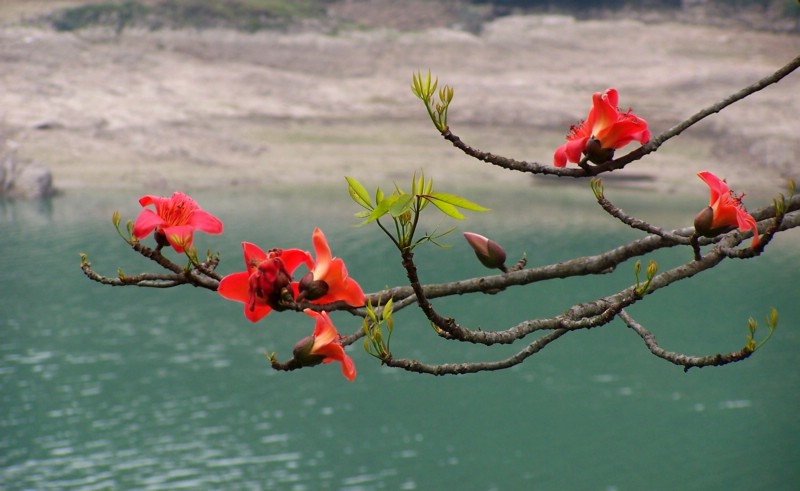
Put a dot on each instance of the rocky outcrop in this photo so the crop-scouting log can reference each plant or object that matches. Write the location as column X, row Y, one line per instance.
column 30, row 180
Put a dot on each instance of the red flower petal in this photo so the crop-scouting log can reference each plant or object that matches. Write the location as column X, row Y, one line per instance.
column 253, row 255
column 334, row 273
column 607, row 124
column 727, row 208
column 206, row 222
column 179, row 210
column 323, row 253
column 715, row 185
column 179, row 237
column 328, row 344
column 293, row 258
column 145, row 223
column 236, row 287
column 341, row 287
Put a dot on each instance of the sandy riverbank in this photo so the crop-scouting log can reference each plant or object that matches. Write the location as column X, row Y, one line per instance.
column 196, row 109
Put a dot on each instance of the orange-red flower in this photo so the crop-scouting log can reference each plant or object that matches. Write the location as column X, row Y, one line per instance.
column 725, row 209
column 324, row 346
column 267, row 279
column 605, row 130
column 174, row 220
column 328, row 281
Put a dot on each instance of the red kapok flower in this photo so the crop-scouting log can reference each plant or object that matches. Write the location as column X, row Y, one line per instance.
column 328, row 281
column 267, row 279
column 174, row 221
column 605, row 130
column 725, row 209
column 324, row 346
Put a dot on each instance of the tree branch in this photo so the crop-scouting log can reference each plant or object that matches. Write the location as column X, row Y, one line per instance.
column 474, row 367
column 679, row 128
column 685, row 361
column 638, row 153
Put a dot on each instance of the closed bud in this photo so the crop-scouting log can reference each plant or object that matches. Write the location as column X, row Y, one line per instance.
column 595, row 152
column 302, row 353
column 161, row 238
column 703, row 222
column 311, row 289
column 489, row 252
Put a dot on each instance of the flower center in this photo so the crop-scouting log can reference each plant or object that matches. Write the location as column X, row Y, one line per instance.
column 176, row 212
column 268, row 281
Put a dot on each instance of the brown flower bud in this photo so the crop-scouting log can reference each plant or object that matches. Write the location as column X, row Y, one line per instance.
column 302, row 353
column 311, row 289
column 489, row 252
column 596, row 153
column 703, row 221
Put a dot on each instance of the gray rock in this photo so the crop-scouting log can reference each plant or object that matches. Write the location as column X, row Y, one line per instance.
column 27, row 180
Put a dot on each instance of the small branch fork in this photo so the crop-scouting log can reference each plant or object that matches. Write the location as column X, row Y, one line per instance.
column 196, row 273
column 600, row 312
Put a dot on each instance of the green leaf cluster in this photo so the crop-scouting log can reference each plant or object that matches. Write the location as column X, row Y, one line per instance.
column 752, row 326
column 404, row 208
column 117, row 220
column 374, row 342
column 650, row 273
column 425, row 89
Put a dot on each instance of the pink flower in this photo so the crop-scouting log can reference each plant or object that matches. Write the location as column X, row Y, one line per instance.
column 267, row 279
column 174, row 220
column 605, row 130
column 725, row 209
column 324, row 346
column 328, row 281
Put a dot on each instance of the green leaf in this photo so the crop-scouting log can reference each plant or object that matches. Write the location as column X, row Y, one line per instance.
column 371, row 313
column 358, row 193
column 456, row 201
column 381, row 209
column 378, row 195
column 447, row 209
column 426, row 190
column 401, row 205
column 387, row 310
column 419, row 184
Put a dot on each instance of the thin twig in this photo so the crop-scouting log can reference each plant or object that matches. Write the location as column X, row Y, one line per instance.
column 639, row 224
column 474, row 367
column 685, row 361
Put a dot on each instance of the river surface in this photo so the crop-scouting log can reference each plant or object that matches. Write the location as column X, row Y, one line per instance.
column 143, row 389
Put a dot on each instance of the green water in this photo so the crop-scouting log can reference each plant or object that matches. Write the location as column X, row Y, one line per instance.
column 128, row 388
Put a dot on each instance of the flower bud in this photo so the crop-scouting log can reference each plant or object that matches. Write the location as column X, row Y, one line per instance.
column 311, row 289
column 302, row 353
column 703, row 221
column 489, row 252
column 161, row 238
column 596, row 153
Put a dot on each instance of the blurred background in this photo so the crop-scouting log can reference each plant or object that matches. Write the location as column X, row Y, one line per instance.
column 258, row 109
